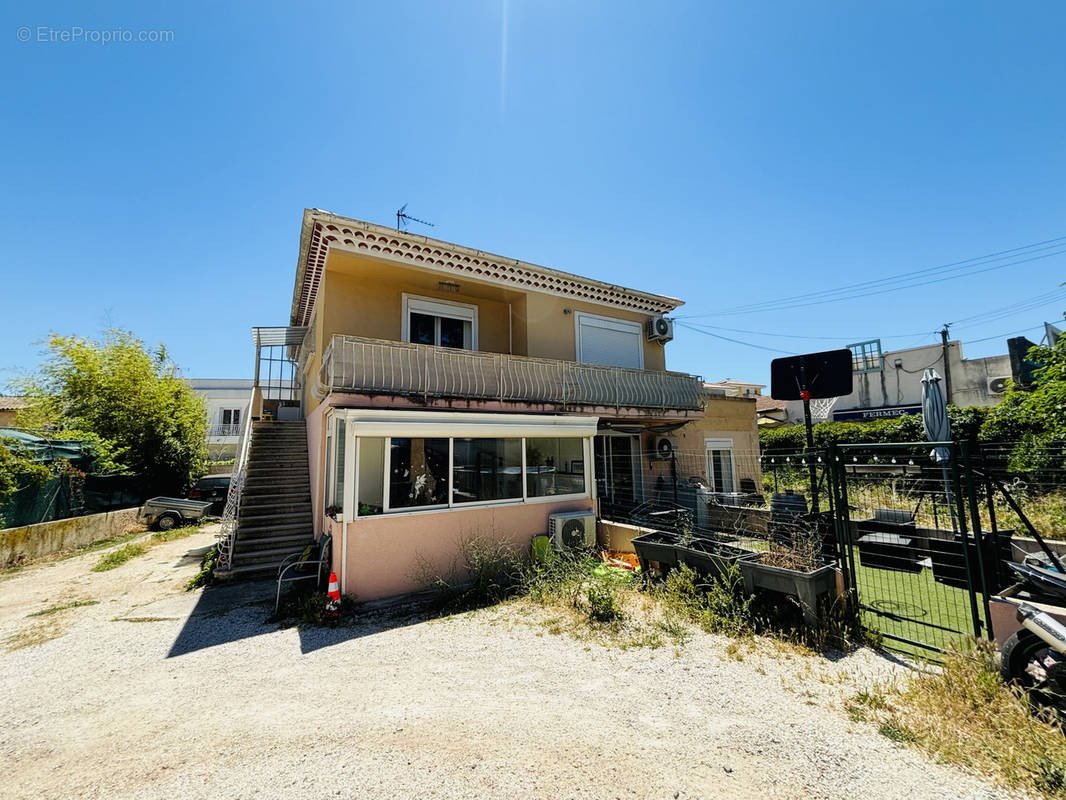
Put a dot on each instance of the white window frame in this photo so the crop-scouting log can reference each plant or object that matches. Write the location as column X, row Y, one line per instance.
column 440, row 425
column 611, row 323
column 434, row 307
column 720, row 444
column 331, row 462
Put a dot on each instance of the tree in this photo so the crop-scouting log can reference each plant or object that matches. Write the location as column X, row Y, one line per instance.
column 1034, row 418
column 144, row 418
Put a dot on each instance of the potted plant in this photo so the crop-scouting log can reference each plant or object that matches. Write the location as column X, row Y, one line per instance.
column 796, row 567
column 709, row 557
column 658, row 546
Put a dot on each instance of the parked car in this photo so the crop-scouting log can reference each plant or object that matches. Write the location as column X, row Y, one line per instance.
column 213, row 488
column 165, row 513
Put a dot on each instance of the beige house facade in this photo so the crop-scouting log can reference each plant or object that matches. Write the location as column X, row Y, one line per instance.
column 451, row 394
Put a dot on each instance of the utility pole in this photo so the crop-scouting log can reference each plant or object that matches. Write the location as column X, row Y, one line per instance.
column 947, row 362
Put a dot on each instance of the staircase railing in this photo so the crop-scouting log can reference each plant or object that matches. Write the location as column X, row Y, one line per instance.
column 227, row 535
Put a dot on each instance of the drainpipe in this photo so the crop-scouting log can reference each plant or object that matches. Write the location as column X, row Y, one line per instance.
column 947, row 363
column 510, row 339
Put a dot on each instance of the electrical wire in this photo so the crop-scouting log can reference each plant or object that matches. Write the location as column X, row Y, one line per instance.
column 1022, row 306
column 906, row 280
column 734, row 341
column 1003, row 335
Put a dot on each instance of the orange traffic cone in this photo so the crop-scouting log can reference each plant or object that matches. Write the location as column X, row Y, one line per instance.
column 333, row 606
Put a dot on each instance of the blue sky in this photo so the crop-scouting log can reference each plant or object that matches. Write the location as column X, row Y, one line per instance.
column 727, row 154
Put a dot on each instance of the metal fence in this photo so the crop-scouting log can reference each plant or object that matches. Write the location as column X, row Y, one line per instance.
column 922, row 533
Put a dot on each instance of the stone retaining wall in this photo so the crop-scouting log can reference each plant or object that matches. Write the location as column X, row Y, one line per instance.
column 33, row 541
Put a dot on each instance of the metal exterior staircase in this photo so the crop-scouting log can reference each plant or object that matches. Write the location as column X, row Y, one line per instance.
column 274, row 517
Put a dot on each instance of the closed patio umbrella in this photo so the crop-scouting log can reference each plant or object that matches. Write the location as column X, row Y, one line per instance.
column 937, row 428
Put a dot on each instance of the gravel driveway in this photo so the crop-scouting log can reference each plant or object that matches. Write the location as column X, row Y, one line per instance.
column 156, row 692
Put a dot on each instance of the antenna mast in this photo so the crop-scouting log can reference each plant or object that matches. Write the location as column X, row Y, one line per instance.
column 402, row 218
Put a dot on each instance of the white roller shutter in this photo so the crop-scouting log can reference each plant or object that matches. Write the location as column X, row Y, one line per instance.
column 609, row 342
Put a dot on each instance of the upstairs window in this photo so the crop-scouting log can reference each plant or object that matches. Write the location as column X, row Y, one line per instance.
column 441, row 323
column 231, row 416
column 608, row 341
column 866, row 356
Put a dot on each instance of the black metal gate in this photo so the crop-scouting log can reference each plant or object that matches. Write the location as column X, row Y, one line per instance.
column 918, row 540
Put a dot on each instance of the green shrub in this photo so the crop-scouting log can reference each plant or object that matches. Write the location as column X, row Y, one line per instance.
column 603, row 602
column 206, row 575
column 484, row 573
column 718, row 606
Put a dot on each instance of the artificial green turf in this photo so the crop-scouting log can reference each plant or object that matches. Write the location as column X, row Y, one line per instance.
column 915, row 607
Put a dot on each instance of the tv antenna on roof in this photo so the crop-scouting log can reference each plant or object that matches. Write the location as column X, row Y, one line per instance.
column 402, row 217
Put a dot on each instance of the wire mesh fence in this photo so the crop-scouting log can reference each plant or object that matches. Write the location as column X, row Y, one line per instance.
column 921, row 543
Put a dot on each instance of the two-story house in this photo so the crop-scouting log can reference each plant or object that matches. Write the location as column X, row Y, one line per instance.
column 449, row 393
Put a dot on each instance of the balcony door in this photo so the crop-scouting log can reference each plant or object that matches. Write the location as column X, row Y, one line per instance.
column 617, row 472
column 441, row 323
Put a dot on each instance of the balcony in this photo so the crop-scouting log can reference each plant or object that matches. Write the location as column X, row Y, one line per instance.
column 376, row 366
column 222, row 431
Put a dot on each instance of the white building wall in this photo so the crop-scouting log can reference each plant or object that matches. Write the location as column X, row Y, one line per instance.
column 219, row 395
column 902, row 386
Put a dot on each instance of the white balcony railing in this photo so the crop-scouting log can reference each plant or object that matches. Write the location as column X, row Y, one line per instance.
column 223, row 430
column 382, row 367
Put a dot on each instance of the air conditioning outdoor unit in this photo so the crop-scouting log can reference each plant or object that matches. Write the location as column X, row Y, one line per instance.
column 665, row 447
column 998, row 385
column 572, row 530
column 660, row 329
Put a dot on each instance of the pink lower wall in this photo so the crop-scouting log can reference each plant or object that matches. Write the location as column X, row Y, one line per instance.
column 392, row 555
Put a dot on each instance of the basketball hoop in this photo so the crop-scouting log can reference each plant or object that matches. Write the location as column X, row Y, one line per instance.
column 821, row 408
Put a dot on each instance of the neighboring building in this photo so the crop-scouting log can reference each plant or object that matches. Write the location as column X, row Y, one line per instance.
column 227, row 401
column 889, row 384
column 9, row 406
column 771, row 413
column 738, row 388
column 451, row 394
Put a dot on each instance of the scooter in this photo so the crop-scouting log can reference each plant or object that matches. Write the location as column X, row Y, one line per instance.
column 1034, row 657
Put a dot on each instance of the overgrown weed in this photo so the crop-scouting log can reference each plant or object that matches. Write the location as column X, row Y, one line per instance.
column 47, row 612
column 964, row 714
column 116, row 558
column 206, row 575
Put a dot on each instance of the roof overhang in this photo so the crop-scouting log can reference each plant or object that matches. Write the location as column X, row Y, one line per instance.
column 323, row 231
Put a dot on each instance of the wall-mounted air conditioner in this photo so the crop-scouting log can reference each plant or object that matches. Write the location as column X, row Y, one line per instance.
column 660, row 329
column 665, row 448
column 998, row 385
column 572, row 530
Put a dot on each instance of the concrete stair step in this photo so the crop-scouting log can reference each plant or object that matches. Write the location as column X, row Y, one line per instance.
column 290, row 483
column 268, row 529
column 274, row 556
column 290, row 543
column 257, row 539
column 265, row 504
column 274, row 519
column 262, row 494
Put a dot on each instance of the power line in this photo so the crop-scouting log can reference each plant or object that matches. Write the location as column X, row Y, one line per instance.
column 1004, row 335
column 906, row 280
column 734, row 341
column 1022, row 306
column 681, row 321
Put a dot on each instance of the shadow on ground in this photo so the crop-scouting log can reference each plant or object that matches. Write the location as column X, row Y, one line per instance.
column 232, row 612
